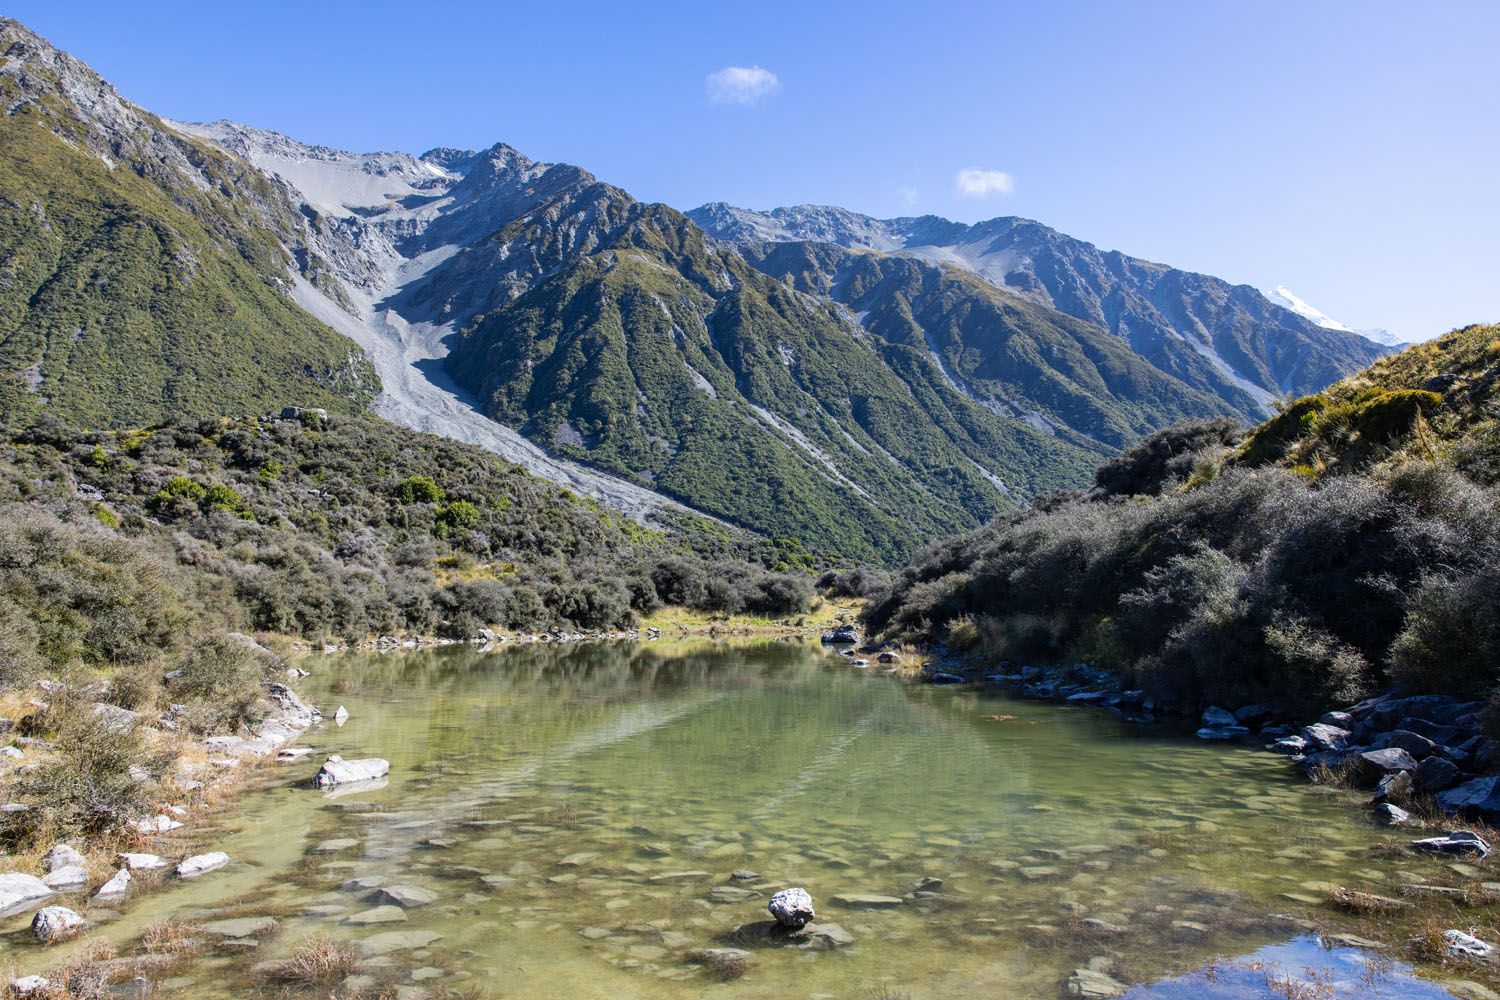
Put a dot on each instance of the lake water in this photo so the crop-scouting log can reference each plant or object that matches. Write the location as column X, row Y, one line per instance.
column 578, row 814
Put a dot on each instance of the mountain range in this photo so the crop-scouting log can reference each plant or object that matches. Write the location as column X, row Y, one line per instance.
column 848, row 385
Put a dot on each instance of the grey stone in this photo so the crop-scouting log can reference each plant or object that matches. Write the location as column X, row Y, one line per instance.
column 241, row 927
column 377, row 915
column 20, row 892
column 1387, row 814
column 202, row 864
column 1436, row 774
column 1326, row 737
column 61, row 856
column 1461, row 945
column 1479, row 798
column 1215, row 717
column 115, row 888
column 67, row 878
column 1460, row 843
column 866, row 901
column 792, row 908
column 389, row 942
column 338, row 771
column 55, row 923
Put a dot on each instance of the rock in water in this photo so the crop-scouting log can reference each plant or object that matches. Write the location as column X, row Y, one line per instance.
column 28, row 985
column 19, row 892
column 1461, row 843
column 340, row 715
column 54, row 923
column 201, row 864
column 1387, row 814
column 115, row 888
column 338, row 771
column 792, row 908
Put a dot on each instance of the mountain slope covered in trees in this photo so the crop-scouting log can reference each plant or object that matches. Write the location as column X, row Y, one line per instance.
column 143, row 271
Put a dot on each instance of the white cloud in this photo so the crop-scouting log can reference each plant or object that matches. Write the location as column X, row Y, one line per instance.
column 740, row 85
column 976, row 183
column 908, row 196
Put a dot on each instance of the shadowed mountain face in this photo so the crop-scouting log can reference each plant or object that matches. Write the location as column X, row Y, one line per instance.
column 848, row 384
column 1226, row 340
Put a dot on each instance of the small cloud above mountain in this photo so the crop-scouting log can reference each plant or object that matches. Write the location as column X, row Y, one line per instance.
column 744, row 85
column 976, row 183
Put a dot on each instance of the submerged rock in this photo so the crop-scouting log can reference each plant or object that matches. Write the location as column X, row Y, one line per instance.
column 792, row 908
column 867, row 901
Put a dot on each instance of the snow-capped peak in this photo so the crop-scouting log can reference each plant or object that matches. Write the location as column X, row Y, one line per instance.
column 1287, row 299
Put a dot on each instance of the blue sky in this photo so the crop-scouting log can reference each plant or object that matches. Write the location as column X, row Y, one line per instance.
column 1347, row 150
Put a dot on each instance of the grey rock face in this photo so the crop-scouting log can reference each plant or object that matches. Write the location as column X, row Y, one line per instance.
column 792, row 908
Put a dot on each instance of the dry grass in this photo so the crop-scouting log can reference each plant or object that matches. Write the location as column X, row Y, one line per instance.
column 172, row 937
column 318, row 963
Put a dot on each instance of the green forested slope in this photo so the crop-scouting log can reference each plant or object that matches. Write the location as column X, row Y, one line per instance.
column 142, row 274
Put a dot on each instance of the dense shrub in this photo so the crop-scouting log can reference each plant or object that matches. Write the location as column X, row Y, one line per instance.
column 224, row 674
column 1166, row 458
column 1254, row 586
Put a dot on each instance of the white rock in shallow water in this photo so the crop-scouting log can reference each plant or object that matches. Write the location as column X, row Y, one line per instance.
column 154, row 824
column 66, row 878
column 341, row 716
column 792, row 908
column 61, row 856
column 27, row 985
column 115, row 888
column 19, row 891
column 200, row 864
column 54, row 923
column 338, row 771
column 141, row 862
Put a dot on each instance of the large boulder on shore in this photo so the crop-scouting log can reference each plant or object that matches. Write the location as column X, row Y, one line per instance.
column 792, row 908
column 338, row 771
column 1477, row 799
